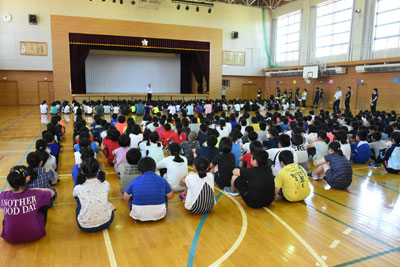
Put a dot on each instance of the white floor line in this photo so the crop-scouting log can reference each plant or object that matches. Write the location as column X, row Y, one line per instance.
column 298, row 237
column 110, row 251
column 334, row 243
column 241, row 235
column 347, row 231
column 361, row 168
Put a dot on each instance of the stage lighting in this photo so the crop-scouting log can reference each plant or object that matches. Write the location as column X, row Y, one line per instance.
column 187, row 7
column 197, row 9
column 178, row 7
column 209, row 10
column 133, row 2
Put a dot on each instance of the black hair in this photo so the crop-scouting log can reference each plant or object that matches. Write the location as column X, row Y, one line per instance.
column 167, row 127
column 255, row 145
column 297, row 140
column 146, row 164
column 48, row 136
column 322, row 135
column 114, row 116
column 335, row 146
column 225, row 145
column 263, row 126
column 90, row 168
column 175, row 149
column 121, row 119
column 133, row 156
column 212, row 140
column 273, row 131
column 17, row 176
column 377, row 136
column 261, row 156
column 124, row 140
column 87, row 153
column 286, row 157
column 41, row 146
column 253, row 136
column 33, row 159
column 341, row 136
column 84, row 142
column 362, row 135
column 153, row 139
column 395, row 136
column 284, row 140
column 114, row 135
column 201, row 163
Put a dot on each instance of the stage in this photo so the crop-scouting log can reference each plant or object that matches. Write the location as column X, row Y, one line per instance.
column 155, row 97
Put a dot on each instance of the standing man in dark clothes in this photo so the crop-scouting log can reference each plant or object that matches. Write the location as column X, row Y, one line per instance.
column 149, row 92
column 347, row 100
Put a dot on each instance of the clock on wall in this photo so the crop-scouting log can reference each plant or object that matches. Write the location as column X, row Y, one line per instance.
column 6, row 17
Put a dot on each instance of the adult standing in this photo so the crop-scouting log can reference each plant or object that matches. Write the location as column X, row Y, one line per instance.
column 297, row 97
column 347, row 100
column 290, row 96
column 223, row 92
column 321, row 97
column 304, row 98
column 316, row 98
column 259, row 94
column 149, row 92
column 278, row 93
column 338, row 97
column 374, row 100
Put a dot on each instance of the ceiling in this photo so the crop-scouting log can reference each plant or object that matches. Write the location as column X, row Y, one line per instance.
column 271, row 4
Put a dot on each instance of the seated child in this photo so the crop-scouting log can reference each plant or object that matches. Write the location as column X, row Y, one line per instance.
column 24, row 209
column 43, row 178
column 114, row 119
column 53, row 146
column 49, row 161
column 252, row 137
column 360, row 150
column 391, row 156
column 245, row 160
column 291, row 182
column 176, row 167
column 224, row 163
column 189, row 145
column 129, row 171
column 155, row 150
column 301, row 150
column 146, row 195
column 110, row 144
column 209, row 151
column 121, row 124
column 337, row 169
column 376, row 146
column 199, row 188
column 94, row 212
column 120, row 152
column 255, row 185
column 85, row 153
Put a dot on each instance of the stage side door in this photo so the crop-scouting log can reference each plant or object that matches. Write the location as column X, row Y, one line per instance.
column 8, row 93
column 44, row 92
column 249, row 91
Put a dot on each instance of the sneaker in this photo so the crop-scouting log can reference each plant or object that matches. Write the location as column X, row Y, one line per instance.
column 377, row 166
column 316, row 178
column 229, row 191
column 327, row 187
column 371, row 164
column 182, row 196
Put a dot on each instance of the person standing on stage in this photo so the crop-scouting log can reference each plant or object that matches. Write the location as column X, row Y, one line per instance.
column 304, row 98
column 374, row 100
column 149, row 92
column 338, row 97
column 259, row 94
column 347, row 100
column 316, row 98
column 223, row 94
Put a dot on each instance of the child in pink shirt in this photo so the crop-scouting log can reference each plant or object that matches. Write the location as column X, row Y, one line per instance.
column 120, row 153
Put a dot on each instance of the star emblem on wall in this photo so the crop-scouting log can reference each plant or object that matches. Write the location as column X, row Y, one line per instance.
column 145, row 42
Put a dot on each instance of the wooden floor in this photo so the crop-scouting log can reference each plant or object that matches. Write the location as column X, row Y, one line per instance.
column 359, row 227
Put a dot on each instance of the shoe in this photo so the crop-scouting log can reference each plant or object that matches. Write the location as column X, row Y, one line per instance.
column 182, row 196
column 327, row 187
column 377, row 166
column 372, row 164
column 228, row 190
column 316, row 178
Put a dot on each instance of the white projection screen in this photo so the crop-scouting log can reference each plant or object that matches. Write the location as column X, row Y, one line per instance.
column 125, row 72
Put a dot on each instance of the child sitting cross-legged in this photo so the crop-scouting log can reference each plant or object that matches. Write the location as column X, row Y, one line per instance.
column 147, row 195
column 129, row 171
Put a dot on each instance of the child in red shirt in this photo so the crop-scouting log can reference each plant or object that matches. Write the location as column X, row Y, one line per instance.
column 110, row 144
column 166, row 134
column 247, row 157
column 179, row 136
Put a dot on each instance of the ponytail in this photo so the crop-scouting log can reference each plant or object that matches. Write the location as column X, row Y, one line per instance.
column 174, row 149
column 89, row 168
column 335, row 146
column 201, row 163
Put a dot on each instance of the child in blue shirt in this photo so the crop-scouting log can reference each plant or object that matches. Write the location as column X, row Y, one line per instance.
column 360, row 150
column 114, row 119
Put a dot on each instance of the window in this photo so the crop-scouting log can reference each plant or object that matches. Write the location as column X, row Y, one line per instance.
column 333, row 28
column 288, row 37
column 387, row 25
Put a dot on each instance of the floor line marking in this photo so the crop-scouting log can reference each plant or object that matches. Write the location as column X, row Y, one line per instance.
column 361, row 168
column 196, row 237
column 334, row 243
column 352, row 227
column 397, row 185
column 368, row 257
column 298, row 237
column 347, row 231
column 26, row 153
column 17, row 121
column 241, row 235
column 110, row 251
column 365, row 176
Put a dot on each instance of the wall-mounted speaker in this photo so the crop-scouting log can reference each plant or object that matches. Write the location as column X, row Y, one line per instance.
column 235, row 35
column 32, row 19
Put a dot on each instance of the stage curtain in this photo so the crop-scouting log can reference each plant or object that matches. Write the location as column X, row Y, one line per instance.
column 78, row 55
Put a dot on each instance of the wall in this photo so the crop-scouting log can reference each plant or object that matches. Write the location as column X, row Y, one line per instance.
column 245, row 20
column 28, row 84
column 235, row 89
column 361, row 94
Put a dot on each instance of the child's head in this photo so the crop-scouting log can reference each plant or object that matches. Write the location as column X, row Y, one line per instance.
column 248, row 130
column 84, row 142
column 212, row 141
column 286, row 157
column 395, row 137
column 90, row 168
column 259, row 158
column 297, row 140
column 121, row 119
column 225, row 145
column 146, row 164
column 87, row 153
column 362, row 135
column 114, row 116
column 174, row 150
column 283, row 140
column 253, row 136
column 154, row 137
column 167, row 127
column 335, row 147
column 124, row 140
column 376, row 136
column 203, row 128
column 322, row 136
column 273, row 132
column 192, row 136
column 255, row 145
column 34, row 159
column 48, row 137
column 114, row 135
column 341, row 136
column 133, row 156
column 19, row 177
column 201, row 165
